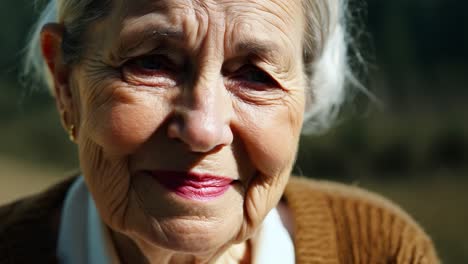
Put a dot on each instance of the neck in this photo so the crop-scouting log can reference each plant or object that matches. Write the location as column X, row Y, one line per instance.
column 131, row 251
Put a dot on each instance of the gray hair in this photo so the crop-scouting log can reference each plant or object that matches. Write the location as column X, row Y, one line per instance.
column 325, row 51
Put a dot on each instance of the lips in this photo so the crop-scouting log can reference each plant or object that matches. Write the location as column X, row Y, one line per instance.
column 193, row 186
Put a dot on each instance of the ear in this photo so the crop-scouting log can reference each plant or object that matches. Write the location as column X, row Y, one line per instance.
column 51, row 46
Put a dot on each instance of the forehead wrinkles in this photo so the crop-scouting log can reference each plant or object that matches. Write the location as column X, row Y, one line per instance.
column 215, row 23
column 206, row 13
column 194, row 18
column 277, row 23
column 268, row 20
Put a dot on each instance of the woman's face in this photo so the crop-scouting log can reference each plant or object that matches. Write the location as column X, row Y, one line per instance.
column 189, row 114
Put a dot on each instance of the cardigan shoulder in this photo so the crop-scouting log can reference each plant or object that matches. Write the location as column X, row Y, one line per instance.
column 361, row 226
column 29, row 226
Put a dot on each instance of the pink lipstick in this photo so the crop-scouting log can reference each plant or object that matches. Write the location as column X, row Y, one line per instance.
column 193, row 186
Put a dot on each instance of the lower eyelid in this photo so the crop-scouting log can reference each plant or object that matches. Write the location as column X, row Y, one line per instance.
column 138, row 69
column 153, row 82
column 161, row 80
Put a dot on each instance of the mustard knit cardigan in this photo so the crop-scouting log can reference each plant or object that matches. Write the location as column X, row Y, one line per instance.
column 333, row 223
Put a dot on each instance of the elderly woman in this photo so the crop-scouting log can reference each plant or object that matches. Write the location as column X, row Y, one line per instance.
column 187, row 115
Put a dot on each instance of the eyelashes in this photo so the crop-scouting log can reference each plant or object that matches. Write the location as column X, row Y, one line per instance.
column 252, row 77
column 151, row 70
column 152, row 63
column 160, row 71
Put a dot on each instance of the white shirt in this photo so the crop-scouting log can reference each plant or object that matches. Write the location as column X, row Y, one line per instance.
column 83, row 237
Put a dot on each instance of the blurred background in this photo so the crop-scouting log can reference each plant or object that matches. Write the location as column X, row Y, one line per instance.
column 412, row 149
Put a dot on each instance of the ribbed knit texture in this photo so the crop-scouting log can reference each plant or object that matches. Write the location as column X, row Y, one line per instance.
column 334, row 223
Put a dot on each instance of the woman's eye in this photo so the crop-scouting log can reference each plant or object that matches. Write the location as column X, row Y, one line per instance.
column 151, row 70
column 257, row 76
column 152, row 63
column 254, row 77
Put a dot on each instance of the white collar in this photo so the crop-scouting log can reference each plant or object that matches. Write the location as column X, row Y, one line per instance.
column 273, row 243
column 83, row 237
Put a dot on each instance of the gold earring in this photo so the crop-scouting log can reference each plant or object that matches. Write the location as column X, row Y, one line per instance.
column 71, row 133
column 70, row 128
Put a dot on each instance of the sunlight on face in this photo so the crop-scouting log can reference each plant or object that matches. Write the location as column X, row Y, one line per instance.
column 204, row 88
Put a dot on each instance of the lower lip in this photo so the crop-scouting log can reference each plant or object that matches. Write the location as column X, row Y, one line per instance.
column 193, row 186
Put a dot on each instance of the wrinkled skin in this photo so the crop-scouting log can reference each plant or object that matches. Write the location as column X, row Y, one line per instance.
column 206, row 86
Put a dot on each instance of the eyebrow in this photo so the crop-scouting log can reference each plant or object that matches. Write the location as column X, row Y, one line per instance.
column 267, row 49
column 133, row 39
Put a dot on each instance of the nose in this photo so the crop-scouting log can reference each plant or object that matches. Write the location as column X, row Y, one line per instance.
column 202, row 118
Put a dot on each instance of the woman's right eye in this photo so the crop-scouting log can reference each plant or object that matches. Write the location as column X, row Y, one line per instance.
column 151, row 63
column 150, row 70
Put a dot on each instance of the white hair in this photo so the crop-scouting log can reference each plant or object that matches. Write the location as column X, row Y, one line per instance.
column 325, row 51
column 327, row 64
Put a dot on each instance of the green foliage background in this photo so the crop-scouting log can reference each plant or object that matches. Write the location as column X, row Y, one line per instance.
column 413, row 150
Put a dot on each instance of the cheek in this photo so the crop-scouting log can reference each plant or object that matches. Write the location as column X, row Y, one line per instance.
column 272, row 138
column 120, row 127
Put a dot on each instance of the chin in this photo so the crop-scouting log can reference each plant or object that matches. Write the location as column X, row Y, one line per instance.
column 194, row 236
column 166, row 220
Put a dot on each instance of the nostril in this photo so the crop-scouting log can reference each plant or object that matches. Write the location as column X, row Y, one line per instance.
column 173, row 130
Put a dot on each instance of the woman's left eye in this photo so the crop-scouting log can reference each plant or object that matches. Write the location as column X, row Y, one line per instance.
column 254, row 75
